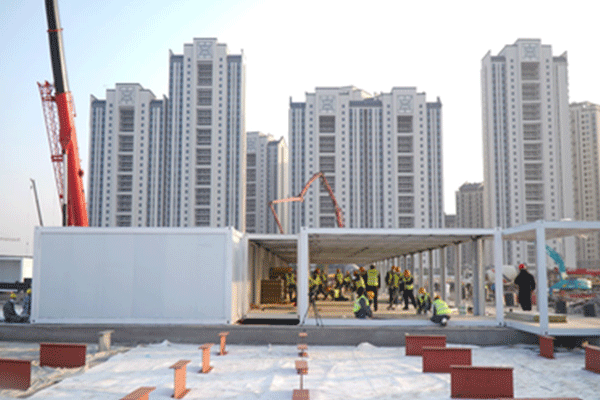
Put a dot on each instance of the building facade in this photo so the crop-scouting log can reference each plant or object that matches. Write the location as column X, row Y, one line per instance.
column 526, row 139
column 267, row 179
column 585, row 122
column 206, row 137
column 127, row 149
column 469, row 206
column 382, row 156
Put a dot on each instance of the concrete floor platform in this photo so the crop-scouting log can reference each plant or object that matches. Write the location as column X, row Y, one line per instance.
column 133, row 334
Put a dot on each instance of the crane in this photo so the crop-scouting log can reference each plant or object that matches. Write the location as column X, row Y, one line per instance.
column 338, row 211
column 59, row 115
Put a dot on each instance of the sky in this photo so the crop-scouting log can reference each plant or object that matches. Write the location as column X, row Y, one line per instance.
column 290, row 48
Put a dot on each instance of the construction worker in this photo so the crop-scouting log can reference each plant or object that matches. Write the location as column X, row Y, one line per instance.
column 423, row 301
column 339, row 279
column 10, row 315
column 290, row 283
column 395, row 287
column 359, row 282
column 27, row 304
column 441, row 311
column 337, row 294
column 373, row 283
column 408, row 294
column 361, row 307
column 319, row 284
column 389, row 276
column 348, row 282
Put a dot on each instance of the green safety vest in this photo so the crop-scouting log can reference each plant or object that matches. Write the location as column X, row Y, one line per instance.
column 372, row 276
column 357, row 303
column 441, row 308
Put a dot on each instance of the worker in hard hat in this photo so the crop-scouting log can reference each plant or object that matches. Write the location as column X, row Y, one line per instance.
column 409, row 284
column 373, row 283
column 27, row 304
column 362, row 307
column 10, row 314
column 395, row 282
column 339, row 279
column 348, row 282
column 423, row 301
column 388, row 281
column 290, row 284
column 441, row 311
column 526, row 284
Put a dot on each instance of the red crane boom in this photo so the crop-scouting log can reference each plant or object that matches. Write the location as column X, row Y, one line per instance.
column 338, row 211
column 73, row 197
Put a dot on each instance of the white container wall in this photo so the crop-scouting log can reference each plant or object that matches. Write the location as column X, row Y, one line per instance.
column 143, row 275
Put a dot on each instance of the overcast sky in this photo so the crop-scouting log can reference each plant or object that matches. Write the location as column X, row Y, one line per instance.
column 289, row 47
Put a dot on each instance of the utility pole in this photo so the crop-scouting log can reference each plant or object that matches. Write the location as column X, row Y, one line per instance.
column 37, row 201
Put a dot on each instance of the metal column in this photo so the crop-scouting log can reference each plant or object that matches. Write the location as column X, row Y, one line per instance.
column 443, row 273
column 302, row 274
column 542, row 283
column 499, row 286
column 457, row 275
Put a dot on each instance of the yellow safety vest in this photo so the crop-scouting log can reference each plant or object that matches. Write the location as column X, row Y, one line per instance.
column 339, row 278
column 317, row 280
column 290, row 279
column 357, row 303
column 441, row 308
column 422, row 298
column 372, row 276
column 406, row 285
column 395, row 281
column 360, row 282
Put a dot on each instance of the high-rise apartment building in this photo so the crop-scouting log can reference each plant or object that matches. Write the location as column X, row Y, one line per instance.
column 585, row 122
column 267, row 178
column 469, row 206
column 206, row 140
column 381, row 154
column 126, row 181
column 526, row 139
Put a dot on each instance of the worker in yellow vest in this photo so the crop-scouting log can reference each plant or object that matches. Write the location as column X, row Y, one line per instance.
column 409, row 284
column 290, row 284
column 361, row 307
column 423, row 301
column 339, row 279
column 441, row 311
column 395, row 282
column 373, row 283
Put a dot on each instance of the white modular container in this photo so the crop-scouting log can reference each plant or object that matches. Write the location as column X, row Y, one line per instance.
column 139, row 275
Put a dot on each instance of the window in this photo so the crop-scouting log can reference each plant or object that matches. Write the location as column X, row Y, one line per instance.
column 534, row 212
column 251, row 160
column 532, row 132
column 531, row 91
column 125, row 163
column 531, row 112
column 327, row 163
column 406, row 222
column 123, row 203
column 126, row 119
column 532, row 151
column 203, row 157
column 123, row 220
column 326, row 124
column 533, row 172
column 126, row 143
column 204, row 97
column 405, row 164
column 406, row 205
column 202, row 217
column 205, row 73
column 405, row 123
column 534, row 192
column 203, row 196
column 204, row 117
column 326, row 205
column 405, row 184
column 203, row 176
column 251, row 205
column 327, row 144
column 405, row 144
column 251, row 189
column 124, row 183
column 326, row 221
column 530, row 71
column 203, row 137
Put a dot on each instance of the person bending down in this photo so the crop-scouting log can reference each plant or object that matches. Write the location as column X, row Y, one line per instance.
column 441, row 311
column 362, row 307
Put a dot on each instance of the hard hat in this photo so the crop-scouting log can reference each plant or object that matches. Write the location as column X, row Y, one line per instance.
column 437, row 296
column 339, row 270
column 13, row 296
column 422, row 290
column 406, row 272
column 522, row 266
column 370, row 294
column 29, row 291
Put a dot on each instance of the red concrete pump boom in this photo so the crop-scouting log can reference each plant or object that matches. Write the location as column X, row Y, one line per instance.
column 74, row 207
column 338, row 211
